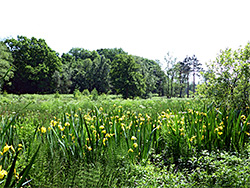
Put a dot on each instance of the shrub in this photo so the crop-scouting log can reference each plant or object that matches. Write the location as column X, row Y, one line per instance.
column 94, row 94
column 85, row 92
column 77, row 94
column 57, row 95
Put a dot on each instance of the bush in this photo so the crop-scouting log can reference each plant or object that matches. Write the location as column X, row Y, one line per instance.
column 85, row 92
column 57, row 95
column 77, row 94
column 94, row 94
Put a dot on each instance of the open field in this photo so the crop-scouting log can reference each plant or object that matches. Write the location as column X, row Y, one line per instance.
column 69, row 141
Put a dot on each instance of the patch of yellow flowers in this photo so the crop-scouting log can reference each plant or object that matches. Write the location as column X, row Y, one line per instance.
column 6, row 148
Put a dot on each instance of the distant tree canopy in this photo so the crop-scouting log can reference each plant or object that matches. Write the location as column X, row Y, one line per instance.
column 93, row 69
column 39, row 69
column 125, row 76
column 34, row 63
column 6, row 61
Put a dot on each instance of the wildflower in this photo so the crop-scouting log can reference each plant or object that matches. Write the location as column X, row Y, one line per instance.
column 66, row 124
column 89, row 148
column 182, row 129
column 100, row 109
column 142, row 119
column 148, row 117
column 104, row 140
column 119, row 106
column 76, row 115
column 243, row 117
column 135, row 145
column 2, row 172
column 130, row 150
column 53, row 123
column 16, row 174
column 63, row 136
column 220, row 127
column 6, row 148
column 61, row 128
column 158, row 127
column 108, row 135
column 204, row 126
column 248, row 134
column 159, row 122
column 133, row 138
column 43, row 129
column 101, row 127
column 220, row 133
column 202, row 137
column 192, row 138
column 104, row 131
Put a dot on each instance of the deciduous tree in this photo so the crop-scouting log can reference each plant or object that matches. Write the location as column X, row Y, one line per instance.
column 35, row 64
column 125, row 77
column 6, row 60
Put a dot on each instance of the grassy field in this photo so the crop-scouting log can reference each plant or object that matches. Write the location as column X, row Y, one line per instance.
column 105, row 141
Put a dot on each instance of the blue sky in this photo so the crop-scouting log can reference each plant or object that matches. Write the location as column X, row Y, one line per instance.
column 145, row 28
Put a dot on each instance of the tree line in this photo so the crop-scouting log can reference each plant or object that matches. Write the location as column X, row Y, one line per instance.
column 36, row 68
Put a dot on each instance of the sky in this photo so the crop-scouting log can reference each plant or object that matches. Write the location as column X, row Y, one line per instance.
column 144, row 28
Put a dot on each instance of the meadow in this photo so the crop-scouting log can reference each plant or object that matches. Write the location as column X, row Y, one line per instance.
column 105, row 141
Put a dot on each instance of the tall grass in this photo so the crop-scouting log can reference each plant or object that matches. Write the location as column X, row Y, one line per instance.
column 79, row 131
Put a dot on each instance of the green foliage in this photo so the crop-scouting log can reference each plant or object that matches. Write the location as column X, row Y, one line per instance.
column 77, row 94
column 125, row 77
column 227, row 79
column 87, row 70
column 85, row 92
column 94, row 94
column 5, row 93
column 111, row 53
column 6, row 60
column 57, row 95
column 35, row 63
column 157, row 142
column 221, row 169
